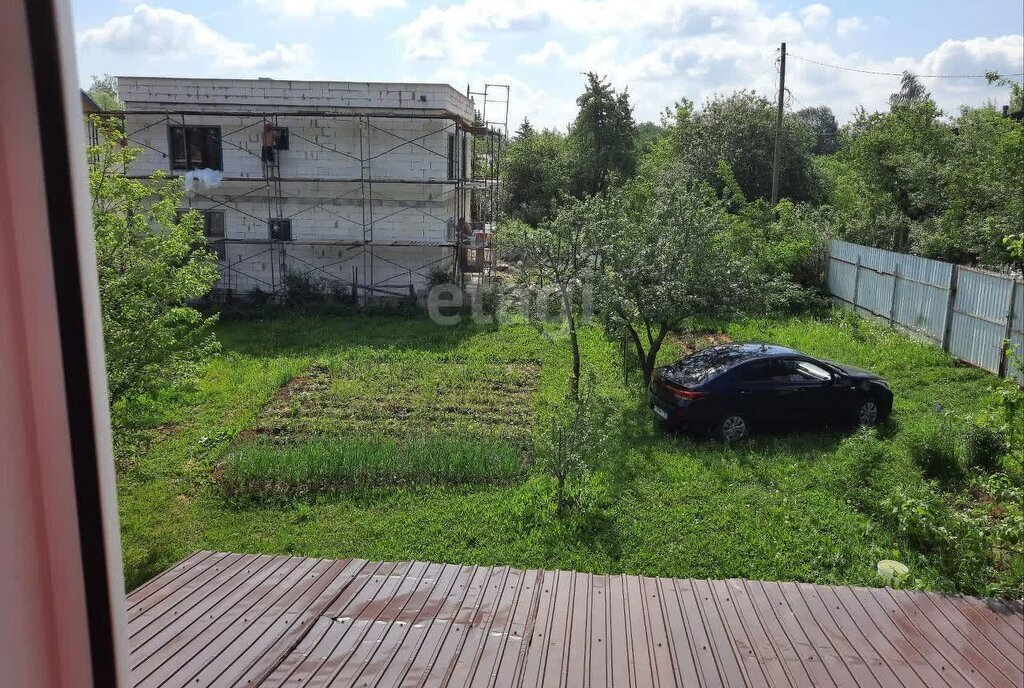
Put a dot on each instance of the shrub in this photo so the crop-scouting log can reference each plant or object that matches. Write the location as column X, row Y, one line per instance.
column 302, row 288
column 438, row 276
column 572, row 440
column 982, row 447
column 931, row 445
column 258, row 297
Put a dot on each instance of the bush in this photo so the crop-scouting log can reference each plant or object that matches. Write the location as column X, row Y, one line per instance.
column 932, row 447
column 982, row 447
column 302, row 288
column 571, row 442
column 258, row 297
column 438, row 276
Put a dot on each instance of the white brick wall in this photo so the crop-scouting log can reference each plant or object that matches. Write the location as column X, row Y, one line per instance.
column 317, row 188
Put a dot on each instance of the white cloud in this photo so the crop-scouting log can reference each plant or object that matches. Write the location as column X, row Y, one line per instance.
column 313, row 8
column 815, row 16
column 159, row 33
column 848, row 25
column 539, row 58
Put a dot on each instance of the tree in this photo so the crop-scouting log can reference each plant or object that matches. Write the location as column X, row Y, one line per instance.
column 740, row 130
column 647, row 136
column 912, row 92
column 602, row 137
column 558, row 253
column 823, row 124
column 536, row 172
column 886, row 182
column 151, row 265
column 664, row 257
column 525, row 130
column 103, row 90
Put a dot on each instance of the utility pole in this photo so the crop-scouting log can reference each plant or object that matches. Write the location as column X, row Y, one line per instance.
column 778, row 126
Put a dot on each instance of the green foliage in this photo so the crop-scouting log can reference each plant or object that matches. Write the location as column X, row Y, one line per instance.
column 103, row 90
column 602, row 138
column 151, row 265
column 665, row 256
column 574, row 439
column 740, row 130
column 301, row 288
column 823, row 124
column 787, row 243
column 537, row 172
column 561, row 251
column 264, row 471
column 932, row 446
column 910, row 180
column 982, row 447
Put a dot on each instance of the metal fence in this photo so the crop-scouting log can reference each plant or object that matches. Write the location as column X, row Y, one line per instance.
column 965, row 311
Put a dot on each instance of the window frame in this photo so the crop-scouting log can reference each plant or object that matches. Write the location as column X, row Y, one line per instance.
column 451, row 156
column 287, row 224
column 187, row 132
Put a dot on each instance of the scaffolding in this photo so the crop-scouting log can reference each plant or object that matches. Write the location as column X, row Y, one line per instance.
column 480, row 182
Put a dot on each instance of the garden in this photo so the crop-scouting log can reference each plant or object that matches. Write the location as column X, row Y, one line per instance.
column 394, row 438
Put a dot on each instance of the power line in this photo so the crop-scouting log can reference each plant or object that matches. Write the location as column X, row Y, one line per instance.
column 920, row 76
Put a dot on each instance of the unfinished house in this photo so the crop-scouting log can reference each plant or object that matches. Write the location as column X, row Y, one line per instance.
column 365, row 188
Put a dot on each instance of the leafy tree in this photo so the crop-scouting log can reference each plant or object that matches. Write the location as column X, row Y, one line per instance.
column 740, row 130
column 983, row 190
column 602, row 137
column 103, row 90
column 647, row 135
column 525, row 130
column 823, row 124
column 537, row 172
column 886, row 185
column 151, row 265
column 786, row 243
column 559, row 253
column 912, row 92
column 665, row 257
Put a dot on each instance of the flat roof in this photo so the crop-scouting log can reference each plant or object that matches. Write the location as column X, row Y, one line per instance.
column 218, row 619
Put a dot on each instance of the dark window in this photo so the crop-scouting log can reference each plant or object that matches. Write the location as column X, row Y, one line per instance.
column 196, row 148
column 213, row 228
column 451, row 156
column 281, row 230
column 766, row 371
column 213, row 223
column 465, row 160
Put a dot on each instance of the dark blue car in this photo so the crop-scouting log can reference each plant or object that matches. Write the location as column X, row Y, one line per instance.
column 733, row 389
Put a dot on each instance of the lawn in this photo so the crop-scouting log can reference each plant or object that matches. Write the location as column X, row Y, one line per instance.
column 394, row 439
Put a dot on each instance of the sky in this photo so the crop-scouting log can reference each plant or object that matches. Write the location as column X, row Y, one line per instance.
column 662, row 50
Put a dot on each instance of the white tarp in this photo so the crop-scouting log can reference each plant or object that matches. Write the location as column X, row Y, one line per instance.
column 202, row 179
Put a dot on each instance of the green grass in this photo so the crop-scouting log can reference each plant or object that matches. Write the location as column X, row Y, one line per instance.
column 263, row 470
column 780, row 507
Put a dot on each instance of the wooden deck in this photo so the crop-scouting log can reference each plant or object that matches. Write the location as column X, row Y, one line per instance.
column 257, row 620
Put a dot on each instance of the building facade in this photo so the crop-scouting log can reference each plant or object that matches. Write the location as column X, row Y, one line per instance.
column 362, row 187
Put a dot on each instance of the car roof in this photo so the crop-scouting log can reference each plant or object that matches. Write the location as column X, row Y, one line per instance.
column 714, row 360
column 745, row 351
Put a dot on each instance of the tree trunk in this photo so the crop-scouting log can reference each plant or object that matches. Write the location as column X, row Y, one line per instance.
column 650, row 360
column 574, row 382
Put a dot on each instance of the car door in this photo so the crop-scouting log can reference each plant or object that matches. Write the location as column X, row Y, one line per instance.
column 766, row 393
column 814, row 391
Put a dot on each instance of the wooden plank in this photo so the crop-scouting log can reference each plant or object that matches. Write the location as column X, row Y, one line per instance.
column 260, row 620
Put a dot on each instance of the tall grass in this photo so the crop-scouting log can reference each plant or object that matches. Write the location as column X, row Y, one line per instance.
column 262, row 470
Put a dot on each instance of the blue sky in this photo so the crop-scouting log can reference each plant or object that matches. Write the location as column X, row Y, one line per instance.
column 661, row 49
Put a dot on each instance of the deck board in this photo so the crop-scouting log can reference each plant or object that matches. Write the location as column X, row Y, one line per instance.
column 218, row 619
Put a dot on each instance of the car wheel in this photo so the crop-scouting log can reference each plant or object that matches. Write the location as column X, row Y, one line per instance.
column 733, row 427
column 869, row 413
